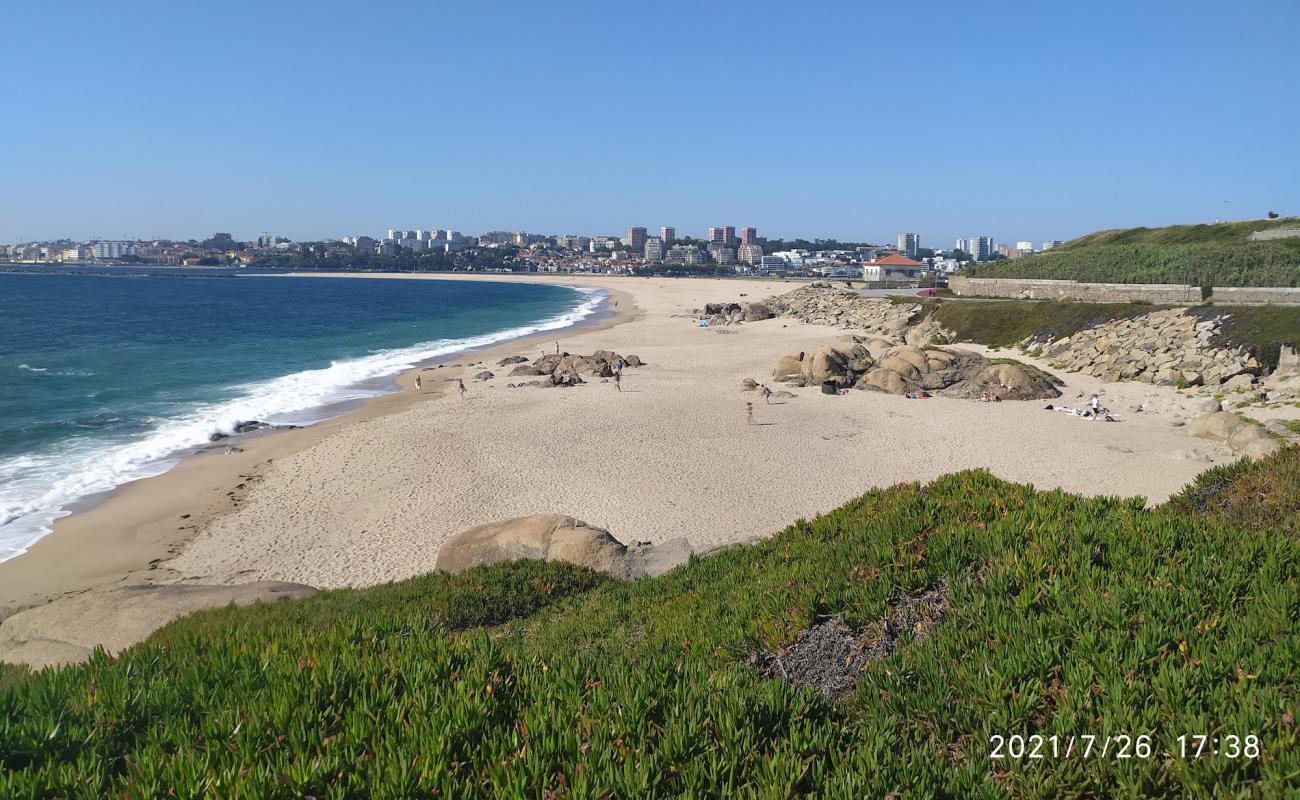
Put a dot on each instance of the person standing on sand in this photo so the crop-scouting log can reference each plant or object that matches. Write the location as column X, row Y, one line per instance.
column 418, row 384
column 460, row 387
column 749, row 413
column 557, row 348
column 618, row 380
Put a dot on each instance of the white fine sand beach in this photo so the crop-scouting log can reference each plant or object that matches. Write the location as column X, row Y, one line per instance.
column 370, row 496
column 671, row 455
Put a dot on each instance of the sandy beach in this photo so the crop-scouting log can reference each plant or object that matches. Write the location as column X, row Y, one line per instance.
column 370, row 496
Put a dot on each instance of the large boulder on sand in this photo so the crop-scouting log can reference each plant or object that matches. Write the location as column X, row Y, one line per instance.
column 556, row 537
column 1242, row 437
column 1216, row 425
column 789, row 369
column 839, row 365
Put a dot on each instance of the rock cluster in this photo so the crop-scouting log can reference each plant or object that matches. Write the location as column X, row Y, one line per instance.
column 249, row 426
column 735, row 313
column 840, row 308
column 565, row 369
column 555, row 537
column 903, row 369
column 1169, row 347
column 1242, row 437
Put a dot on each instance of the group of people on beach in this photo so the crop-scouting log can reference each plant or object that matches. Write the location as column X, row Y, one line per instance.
column 1094, row 411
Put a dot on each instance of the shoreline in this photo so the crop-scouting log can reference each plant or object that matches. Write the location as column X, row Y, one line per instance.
column 368, row 497
column 125, row 534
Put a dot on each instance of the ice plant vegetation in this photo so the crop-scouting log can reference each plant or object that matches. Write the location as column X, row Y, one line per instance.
column 1063, row 616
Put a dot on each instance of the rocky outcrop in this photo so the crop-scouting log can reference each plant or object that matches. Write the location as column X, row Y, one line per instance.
column 67, row 630
column 505, row 362
column 841, row 308
column 485, row 375
column 249, row 426
column 735, row 313
column 1170, row 347
column 555, row 537
column 903, row 369
column 1242, row 437
column 566, row 369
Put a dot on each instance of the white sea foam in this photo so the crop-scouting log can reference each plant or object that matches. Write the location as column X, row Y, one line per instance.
column 36, row 489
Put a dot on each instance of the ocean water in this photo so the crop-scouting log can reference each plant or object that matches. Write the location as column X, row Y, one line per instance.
column 107, row 378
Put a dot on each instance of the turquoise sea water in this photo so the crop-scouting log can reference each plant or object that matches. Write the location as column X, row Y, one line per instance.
column 109, row 378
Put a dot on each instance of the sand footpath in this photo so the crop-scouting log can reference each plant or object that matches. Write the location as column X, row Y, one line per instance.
column 370, row 496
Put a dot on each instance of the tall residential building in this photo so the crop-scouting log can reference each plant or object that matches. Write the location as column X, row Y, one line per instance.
column 105, row 250
column 750, row 253
column 717, row 236
column 653, row 247
column 636, row 239
column 669, row 235
column 909, row 244
column 980, row 247
column 749, row 235
column 729, row 236
column 1025, row 246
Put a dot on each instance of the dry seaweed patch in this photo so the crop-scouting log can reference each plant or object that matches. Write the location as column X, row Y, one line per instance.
column 829, row 656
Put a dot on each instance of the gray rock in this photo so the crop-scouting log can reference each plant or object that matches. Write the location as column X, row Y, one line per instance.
column 555, row 537
column 485, row 375
column 654, row 560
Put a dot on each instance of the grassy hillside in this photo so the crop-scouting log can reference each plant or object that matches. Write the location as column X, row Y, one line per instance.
column 1060, row 615
column 1219, row 254
column 1208, row 233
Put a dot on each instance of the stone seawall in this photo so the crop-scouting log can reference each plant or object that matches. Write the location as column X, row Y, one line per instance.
column 1275, row 233
column 1155, row 293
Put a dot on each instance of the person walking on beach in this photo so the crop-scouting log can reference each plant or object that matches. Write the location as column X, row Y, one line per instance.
column 765, row 393
column 749, row 413
column 460, row 387
column 418, row 384
column 557, row 348
column 618, row 380
column 1095, row 402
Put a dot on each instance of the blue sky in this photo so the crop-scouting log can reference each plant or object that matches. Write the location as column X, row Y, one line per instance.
column 1027, row 120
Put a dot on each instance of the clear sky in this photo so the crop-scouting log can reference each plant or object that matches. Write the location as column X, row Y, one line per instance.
column 854, row 120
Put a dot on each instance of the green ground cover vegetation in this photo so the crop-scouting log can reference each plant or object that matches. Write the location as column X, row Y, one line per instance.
column 1065, row 615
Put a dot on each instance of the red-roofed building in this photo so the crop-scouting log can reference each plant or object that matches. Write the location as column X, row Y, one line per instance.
column 892, row 268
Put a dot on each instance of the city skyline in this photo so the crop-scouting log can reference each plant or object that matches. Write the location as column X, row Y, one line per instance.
column 317, row 120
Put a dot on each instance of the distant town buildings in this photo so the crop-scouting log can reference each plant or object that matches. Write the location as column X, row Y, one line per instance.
column 636, row 239
column 1050, row 243
column 669, row 235
column 748, row 236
